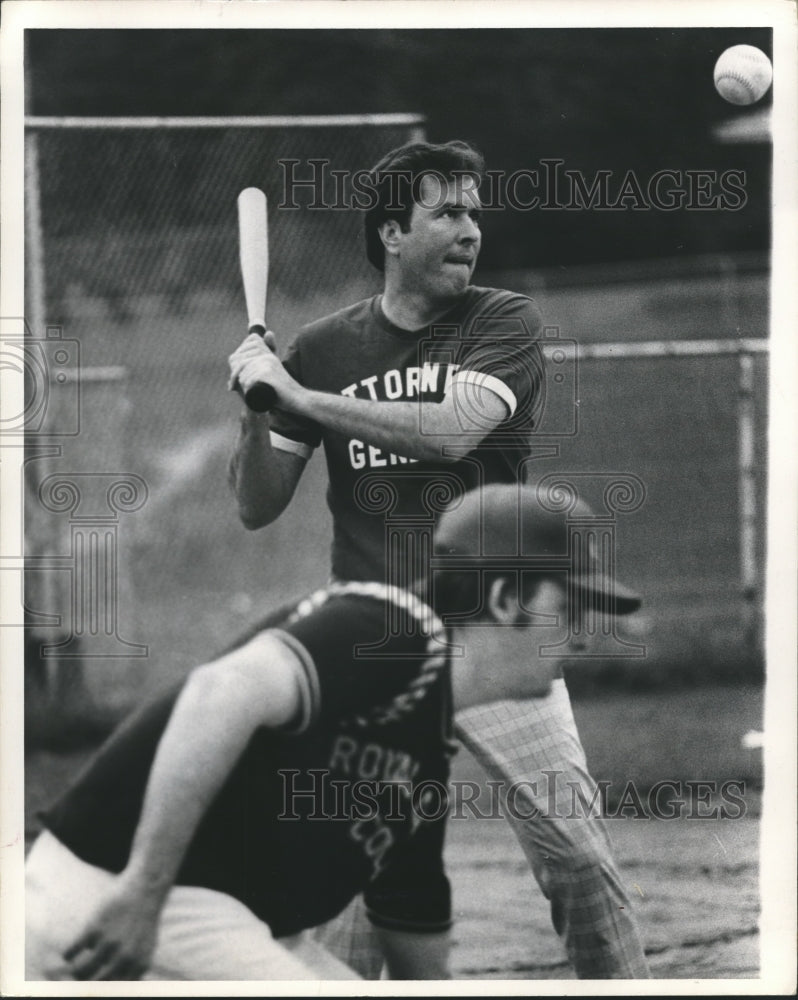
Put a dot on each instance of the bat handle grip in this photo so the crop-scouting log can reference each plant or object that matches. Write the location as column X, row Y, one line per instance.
column 260, row 397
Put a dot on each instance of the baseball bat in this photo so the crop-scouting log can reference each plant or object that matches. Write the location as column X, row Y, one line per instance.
column 253, row 243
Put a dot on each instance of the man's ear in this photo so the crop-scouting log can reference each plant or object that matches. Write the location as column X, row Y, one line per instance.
column 390, row 233
column 503, row 605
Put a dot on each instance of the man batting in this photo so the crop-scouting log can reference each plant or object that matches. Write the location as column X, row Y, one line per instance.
column 227, row 817
column 435, row 381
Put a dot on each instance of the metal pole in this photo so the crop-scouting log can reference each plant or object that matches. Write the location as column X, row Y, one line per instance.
column 747, row 492
column 233, row 121
column 41, row 589
column 34, row 254
column 44, row 592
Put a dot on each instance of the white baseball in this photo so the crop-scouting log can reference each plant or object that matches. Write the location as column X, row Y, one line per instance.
column 743, row 74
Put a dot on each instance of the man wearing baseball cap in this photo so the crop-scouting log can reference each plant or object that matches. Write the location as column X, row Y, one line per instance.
column 202, row 843
column 510, row 528
column 435, row 382
column 526, row 551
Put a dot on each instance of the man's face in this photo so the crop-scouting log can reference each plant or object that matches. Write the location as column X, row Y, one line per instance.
column 548, row 621
column 437, row 256
column 504, row 654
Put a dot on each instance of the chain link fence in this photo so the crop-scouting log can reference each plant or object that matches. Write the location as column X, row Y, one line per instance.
column 134, row 302
column 133, row 281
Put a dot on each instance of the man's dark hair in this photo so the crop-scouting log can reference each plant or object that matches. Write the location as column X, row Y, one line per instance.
column 396, row 179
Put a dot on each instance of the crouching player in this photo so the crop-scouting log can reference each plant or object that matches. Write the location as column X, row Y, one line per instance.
column 226, row 818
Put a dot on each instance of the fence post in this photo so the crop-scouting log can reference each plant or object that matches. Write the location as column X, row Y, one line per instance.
column 747, row 493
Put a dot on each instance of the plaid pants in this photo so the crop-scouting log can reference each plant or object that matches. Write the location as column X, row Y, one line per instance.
column 535, row 743
column 533, row 746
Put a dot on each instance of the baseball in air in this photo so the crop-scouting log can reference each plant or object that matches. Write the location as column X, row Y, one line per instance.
column 743, row 74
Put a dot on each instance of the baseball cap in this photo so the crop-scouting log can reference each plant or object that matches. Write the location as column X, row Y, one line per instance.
column 506, row 527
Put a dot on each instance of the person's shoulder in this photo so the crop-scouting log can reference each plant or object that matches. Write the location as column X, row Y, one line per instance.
column 498, row 298
column 483, row 303
column 347, row 318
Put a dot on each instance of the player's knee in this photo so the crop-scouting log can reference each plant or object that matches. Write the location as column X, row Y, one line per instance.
column 573, row 868
column 585, row 858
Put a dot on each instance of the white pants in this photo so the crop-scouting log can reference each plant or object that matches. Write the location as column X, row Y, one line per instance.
column 203, row 934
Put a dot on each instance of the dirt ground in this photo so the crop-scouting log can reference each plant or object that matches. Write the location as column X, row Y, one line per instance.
column 694, row 884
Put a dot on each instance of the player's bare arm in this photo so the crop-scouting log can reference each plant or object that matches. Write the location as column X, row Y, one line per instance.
column 444, row 430
column 263, row 478
column 218, row 710
column 411, row 955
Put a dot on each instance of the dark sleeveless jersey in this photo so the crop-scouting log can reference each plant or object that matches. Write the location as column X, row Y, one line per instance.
column 351, row 800
column 381, row 501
